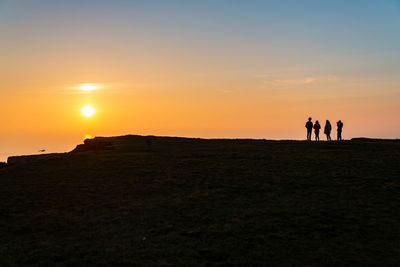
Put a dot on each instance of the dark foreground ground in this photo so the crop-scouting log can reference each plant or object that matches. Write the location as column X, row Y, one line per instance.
column 204, row 202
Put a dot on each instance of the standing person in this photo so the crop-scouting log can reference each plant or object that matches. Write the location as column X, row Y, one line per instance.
column 309, row 126
column 317, row 127
column 339, row 130
column 327, row 130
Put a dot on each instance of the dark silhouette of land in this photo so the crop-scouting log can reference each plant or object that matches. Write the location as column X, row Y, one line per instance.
column 154, row 201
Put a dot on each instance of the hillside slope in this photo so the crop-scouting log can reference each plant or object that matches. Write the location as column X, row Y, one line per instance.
column 158, row 201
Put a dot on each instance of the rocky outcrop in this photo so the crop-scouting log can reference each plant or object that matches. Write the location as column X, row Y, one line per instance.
column 96, row 144
column 376, row 140
column 32, row 158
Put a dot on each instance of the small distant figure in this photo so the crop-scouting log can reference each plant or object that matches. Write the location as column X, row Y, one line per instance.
column 339, row 130
column 42, row 150
column 309, row 126
column 327, row 130
column 317, row 127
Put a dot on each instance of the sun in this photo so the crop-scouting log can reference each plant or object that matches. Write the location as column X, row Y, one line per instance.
column 88, row 87
column 88, row 136
column 88, row 111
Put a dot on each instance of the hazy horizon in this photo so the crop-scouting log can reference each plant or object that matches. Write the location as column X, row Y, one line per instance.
column 211, row 69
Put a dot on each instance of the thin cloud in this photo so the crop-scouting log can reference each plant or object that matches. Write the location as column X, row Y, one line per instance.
column 100, row 87
column 301, row 81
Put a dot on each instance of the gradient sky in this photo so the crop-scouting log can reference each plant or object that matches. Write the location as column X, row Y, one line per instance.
column 221, row 68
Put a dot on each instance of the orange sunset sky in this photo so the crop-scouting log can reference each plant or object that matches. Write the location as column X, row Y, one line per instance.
column 229, row 69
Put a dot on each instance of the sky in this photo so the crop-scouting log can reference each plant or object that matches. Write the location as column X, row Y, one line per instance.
column 220, row 68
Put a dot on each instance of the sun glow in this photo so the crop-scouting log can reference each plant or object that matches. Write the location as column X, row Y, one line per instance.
column 88, row 136
column 88, row 87
column 88, row 111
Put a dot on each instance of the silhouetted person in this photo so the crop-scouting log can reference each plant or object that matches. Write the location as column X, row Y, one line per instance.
column 339, row 130
column 327, row 130
column 317, row 127
column 309, row 126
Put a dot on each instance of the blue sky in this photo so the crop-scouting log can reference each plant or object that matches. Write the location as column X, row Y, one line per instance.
column 316, row 31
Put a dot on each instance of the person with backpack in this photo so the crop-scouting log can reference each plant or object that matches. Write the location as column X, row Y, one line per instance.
column 339, row 130
column 327, row 130
column 317, row 127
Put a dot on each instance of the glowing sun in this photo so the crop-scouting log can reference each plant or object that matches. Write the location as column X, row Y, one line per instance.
column 88, row 136
column 88, row 111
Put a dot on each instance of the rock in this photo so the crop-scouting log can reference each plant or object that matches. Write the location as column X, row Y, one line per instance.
column 32, row 158
column 94, row 145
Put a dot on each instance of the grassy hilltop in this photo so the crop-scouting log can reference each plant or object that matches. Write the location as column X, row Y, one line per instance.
column 158, row 201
